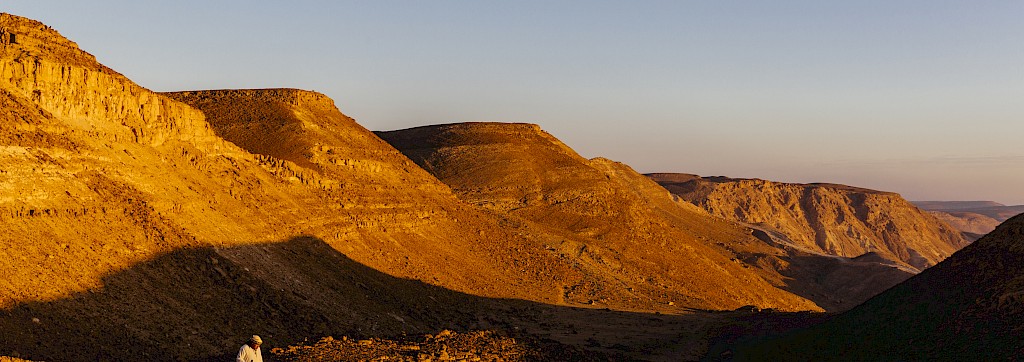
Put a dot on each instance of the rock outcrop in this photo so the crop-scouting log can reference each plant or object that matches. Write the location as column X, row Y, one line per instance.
column 825, row 218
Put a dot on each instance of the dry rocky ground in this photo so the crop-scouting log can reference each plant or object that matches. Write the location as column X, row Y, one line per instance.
column 444, row 346
column 171, row 226
column 133, row 219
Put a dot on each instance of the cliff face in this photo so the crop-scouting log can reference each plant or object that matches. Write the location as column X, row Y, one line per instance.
column 46, row 68
column 93, row 155
column 134, row 218
column 129, row 221
column 970, row 305
column 827, row 219
column 80, row 158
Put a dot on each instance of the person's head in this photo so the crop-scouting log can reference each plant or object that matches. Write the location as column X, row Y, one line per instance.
column 255, row 342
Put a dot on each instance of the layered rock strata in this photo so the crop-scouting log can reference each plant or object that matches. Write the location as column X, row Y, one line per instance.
column 825, row 218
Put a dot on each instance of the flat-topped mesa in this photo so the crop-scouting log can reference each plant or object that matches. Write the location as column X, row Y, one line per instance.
column 307, row 129
column 475, row 134
column 976, row 217
column 672, row 177
column 605, row 218
column 292, row 96
column 39, row 64
column 510, row 161
column 825, row 218
column 268, row 121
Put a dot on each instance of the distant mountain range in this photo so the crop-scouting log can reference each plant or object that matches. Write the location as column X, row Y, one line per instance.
column 976, row 218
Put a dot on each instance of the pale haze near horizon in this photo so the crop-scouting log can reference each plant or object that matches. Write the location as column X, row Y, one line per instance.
column 923, row 98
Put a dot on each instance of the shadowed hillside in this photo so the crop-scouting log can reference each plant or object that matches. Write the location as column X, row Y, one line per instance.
column 205, row 301
column 825, row 218
column 210, row 298
column 968, row 307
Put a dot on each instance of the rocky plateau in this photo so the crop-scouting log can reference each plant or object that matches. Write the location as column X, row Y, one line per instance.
column 171, row 226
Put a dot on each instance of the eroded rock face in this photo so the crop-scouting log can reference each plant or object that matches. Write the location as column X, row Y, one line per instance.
column 133, row 218
column 129, row 221
column 824, row 218
column 46, row 68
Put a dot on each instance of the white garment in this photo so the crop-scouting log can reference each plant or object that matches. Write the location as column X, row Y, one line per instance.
column 247, row 354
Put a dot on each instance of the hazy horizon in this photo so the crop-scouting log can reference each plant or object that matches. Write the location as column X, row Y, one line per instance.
column 921, row 98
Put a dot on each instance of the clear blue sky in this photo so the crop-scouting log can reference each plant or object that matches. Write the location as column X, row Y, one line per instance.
column 924, row 98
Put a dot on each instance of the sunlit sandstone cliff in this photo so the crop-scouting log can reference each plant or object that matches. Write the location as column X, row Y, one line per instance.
column 326, row 142
column 825, row 218
column 134, row 218
column 129, row 222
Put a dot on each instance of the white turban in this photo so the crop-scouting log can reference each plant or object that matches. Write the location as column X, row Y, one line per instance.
column 256, row 339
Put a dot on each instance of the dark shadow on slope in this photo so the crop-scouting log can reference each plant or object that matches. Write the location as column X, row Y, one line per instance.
column 202, row 303
column 838, row 284
column 834, row 283
column 968, row 307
